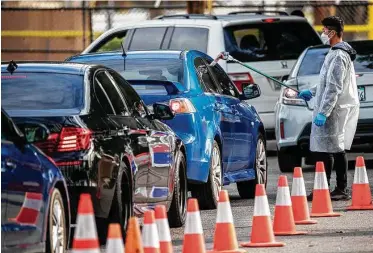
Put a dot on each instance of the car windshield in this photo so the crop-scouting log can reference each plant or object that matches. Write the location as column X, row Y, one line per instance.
column 269, row 40
column 163, row 69
column 41, row 91
column 314, row 59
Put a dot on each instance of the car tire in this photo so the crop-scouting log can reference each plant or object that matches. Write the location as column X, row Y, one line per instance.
column 288, row 159
column 246, row 189
column 121, row 208
column 177, row 212
column 208, row 193
column 56, row 228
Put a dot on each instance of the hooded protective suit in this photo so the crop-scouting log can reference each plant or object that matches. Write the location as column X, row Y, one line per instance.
column 337, row 98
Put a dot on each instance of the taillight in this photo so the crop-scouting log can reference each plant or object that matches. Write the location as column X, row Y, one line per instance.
column 241, row 78
column 181, row 105
column 290, row 97
column 69, row 139
column 74, row 139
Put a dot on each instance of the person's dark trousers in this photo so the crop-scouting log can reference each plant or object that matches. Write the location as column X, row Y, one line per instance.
column 339, row 162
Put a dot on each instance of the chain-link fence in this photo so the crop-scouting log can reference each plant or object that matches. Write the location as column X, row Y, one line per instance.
column 66, row 31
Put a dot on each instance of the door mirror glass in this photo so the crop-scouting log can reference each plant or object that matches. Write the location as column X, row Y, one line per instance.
column 250, row 91
column 162, row 111
column 35, row 132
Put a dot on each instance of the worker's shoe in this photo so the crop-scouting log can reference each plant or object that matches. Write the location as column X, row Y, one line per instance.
column 339, row 194
column 310, row 197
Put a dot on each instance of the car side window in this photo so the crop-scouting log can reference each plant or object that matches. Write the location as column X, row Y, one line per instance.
column 148, row 38
column 113, row 92
column 204, row 76
column 103, row 98
column 223, row 80
column 112, row 42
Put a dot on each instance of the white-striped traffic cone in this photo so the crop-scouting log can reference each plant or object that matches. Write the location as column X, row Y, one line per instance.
column 321, row 202
column 150, row 237
column 163, row 229
column 85, row 237
column 225, row 239
column 194, row 242
column 114, row 242
column 361, row 194
column 283, row 223
column 262, row 230
column 299, row 199
column 29, row 213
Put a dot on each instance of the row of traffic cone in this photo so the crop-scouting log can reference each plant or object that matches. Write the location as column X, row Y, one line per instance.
column 289, row 211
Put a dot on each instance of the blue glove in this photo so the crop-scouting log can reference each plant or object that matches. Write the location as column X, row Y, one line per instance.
column 305, row 94
column 320, row 119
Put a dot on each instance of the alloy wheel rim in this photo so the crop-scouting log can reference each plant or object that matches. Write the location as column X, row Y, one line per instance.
column 58, row 233
column 261, row 162
column 216, row 171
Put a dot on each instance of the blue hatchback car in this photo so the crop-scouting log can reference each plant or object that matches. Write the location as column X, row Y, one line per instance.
column 223, row 134
column 35, row 207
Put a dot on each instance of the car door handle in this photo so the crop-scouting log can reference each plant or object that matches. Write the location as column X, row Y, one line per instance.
column 10, row 164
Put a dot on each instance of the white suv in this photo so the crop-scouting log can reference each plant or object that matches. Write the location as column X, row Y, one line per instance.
column 294, row 116
column 269, row 43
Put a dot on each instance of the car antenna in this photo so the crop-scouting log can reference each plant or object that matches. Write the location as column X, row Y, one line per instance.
column 124, row 56
column 12, row 66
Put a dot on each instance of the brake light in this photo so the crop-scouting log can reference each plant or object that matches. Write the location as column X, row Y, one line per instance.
column 270, row 20
column 181, row 105
column 74, row 139
column 240, row 78
column 290, row 97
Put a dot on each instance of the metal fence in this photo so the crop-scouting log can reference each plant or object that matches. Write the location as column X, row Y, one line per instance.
column 57, row 41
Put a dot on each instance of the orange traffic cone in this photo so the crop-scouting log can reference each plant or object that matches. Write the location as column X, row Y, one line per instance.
column 225, row 239
column 283, row 223
column 133, row 237
column 114, row 242
column 262, row 231
column 163, row 229
column 150, row 237
column 85, row 237
column 361, row 194
column 29, row 213
column 194, row 242
column 321, row 203
column 299, row 199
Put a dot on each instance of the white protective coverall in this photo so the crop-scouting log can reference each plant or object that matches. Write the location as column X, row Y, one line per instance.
column 337, row 98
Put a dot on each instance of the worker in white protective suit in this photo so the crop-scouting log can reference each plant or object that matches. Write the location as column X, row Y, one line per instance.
column 336, row 110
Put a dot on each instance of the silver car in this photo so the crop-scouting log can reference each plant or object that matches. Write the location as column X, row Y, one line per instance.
column 294, row 116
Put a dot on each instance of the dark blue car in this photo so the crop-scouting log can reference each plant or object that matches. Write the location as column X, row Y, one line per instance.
column 223, row 134
column 35, row 208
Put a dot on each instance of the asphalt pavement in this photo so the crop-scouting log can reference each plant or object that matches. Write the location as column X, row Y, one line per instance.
column 352, row 232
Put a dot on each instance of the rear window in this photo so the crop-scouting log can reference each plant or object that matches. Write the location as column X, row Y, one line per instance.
column 41, row 91
column 314, row 59
column 269, row 41
column 163, row 69
column 188, row 38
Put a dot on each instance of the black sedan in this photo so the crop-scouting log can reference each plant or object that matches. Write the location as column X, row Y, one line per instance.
column 102, row 137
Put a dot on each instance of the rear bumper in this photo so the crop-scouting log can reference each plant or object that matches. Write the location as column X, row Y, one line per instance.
column 194, row 136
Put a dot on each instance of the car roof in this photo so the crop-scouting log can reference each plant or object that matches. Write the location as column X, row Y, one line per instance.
column 48, row 67
column 169, row 54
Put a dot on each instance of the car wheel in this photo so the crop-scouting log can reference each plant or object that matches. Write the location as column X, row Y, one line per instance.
column 56, row 230
column 177, row 211
column 246, row 189
column 288, row 159
column 208, row 193
column 121, row 208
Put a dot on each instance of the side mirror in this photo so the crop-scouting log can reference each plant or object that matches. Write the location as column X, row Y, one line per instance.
column 250, row 91
column 162, row 111
column 35, row 132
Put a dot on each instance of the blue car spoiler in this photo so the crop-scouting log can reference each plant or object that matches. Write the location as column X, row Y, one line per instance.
column 173, row 88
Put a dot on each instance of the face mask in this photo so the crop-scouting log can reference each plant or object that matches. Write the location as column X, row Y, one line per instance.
column 325, row 38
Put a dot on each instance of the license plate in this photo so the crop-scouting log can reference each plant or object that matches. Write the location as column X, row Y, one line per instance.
column 361, row 92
